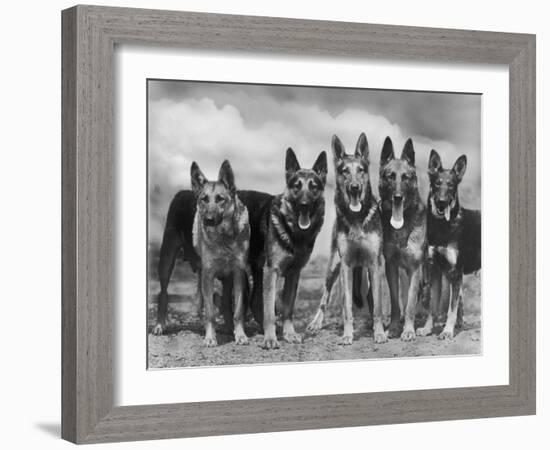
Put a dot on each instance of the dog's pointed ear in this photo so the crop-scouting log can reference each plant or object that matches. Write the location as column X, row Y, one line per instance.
column 434, row 163
column 338, row 150
column 362, row 148
column 387, row 152
column 460, row 167
column 291, row 164
column 197, row 178
column 408, row 152
column 226, row 177
column 320, row 167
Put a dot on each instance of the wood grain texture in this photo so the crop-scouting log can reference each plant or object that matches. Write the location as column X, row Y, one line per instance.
column 89, row 36
column 68, row 226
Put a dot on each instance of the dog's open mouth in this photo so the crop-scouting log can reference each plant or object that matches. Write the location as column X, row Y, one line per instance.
column 354, row 203
column 444, row 212
column 354, row 196
column 304, row 221
column 396, row 220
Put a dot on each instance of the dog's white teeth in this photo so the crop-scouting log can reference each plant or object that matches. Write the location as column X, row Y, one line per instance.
column 448, row 213
column 355, row 207
column 397, row 224
column 303, row 226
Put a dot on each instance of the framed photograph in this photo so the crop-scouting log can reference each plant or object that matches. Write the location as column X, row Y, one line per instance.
column 278, row 224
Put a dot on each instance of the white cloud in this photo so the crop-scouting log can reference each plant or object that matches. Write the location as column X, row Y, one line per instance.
column 206, row 131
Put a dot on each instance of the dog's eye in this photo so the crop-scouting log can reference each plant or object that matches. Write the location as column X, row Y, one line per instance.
column 438, row 182
column 405, row 176
column 360, row 169
column 313, row 187
column 204, row 199
column 297, row 186
column 345, row 170
column 219, row 199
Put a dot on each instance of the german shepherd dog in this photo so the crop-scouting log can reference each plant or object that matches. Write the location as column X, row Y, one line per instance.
column 356, row 237
column 290, row 228
column 404, row 226
column 221, row 237
column 454, row 243
column 177, row 241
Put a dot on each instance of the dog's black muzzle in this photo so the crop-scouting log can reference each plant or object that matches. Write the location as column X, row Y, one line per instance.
column 354, row 189
column 211, row 221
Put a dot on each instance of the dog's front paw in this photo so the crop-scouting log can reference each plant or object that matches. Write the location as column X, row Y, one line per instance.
column 210, row 341
column 346, row 339
column 316, row 324
column 270, row 343
column 380, row 337
column 446, row 335
column 408, row 335
column 241, row 339
column 423, row 331
column 158, row 330
column 292, row 338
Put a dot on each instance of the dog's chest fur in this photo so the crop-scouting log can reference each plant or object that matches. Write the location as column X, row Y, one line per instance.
column 443, row 232
column 444, row 238
column 409, row 242
column 289, row 247
column 358, row 236
column 224, row 246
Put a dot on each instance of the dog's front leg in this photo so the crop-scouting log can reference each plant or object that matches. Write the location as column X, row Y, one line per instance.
column 375, row 275
column 226, row 302
column 410, row 310
column 207, row 288
column 271, row 276
column 444, row 299
column 289, row 297
column 346, row 274
column 332, row 274
column 392, row 275
column 455, row 277
column 238, row 281
column 435, row 294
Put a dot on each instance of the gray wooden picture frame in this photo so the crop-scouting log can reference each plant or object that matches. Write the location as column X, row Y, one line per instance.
column 90, row 34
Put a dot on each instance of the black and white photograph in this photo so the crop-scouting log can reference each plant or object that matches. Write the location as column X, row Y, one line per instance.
column 304, row 224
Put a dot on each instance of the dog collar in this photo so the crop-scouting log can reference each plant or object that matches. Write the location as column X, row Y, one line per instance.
column 375, row 206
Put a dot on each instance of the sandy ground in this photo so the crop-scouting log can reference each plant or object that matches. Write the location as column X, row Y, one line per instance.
column 182, row 345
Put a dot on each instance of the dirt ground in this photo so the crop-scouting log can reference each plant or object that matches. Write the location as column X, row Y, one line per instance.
column 182, row 344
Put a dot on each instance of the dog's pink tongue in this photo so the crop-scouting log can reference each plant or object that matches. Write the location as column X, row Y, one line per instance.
column 448, row 213
column 355, row 204
column 396, row 220
column 303, row 221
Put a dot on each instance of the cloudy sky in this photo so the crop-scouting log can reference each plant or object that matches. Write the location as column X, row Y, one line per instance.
column 253, row 125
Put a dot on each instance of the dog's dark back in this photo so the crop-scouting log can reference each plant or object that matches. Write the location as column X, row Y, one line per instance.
column 465, row 230
column 181, row 214
column 471, row 241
